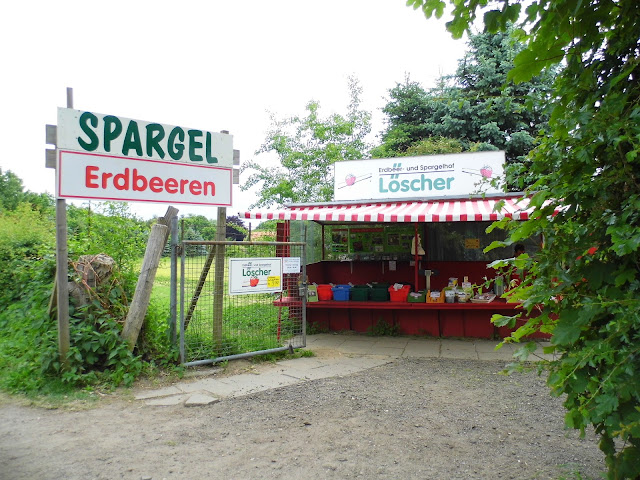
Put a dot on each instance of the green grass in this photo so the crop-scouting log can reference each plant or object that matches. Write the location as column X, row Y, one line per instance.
column 161, row 291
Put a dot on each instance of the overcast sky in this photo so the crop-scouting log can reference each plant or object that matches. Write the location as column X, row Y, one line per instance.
column 206, row 64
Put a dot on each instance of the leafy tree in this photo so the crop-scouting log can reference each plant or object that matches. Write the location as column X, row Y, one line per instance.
column 306, row 148
column 586, row 280
column 12, row 194
column 199, row 227
column 434, row 146
column 406, row 111
column 477, row 106
column 191, row 233
column 11, row 190
column 202, row 227
column 235, row 229
column 40, row 201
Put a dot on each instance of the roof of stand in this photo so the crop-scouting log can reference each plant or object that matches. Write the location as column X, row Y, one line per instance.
column 470, row 209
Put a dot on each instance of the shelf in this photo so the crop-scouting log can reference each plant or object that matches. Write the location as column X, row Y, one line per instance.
column 334, row 304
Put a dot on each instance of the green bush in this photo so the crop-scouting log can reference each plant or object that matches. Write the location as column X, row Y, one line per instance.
column 29, row 358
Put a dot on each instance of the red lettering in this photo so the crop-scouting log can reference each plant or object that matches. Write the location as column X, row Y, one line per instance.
column 105, row 178
column 209, row 189
column 155, row 184
column 137, row 178
column 121, row 180
column 89, row 177
column 195, row 187
column 171, row 185
column 133, row 179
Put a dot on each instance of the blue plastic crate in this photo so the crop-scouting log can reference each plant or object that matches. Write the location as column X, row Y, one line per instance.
column 341, row 292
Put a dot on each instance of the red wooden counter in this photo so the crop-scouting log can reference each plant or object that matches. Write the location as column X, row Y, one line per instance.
column 432, row 319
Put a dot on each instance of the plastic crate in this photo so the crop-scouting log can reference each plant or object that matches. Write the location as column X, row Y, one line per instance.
column 435, row 297
column 379, row 294
column 400, row 294
column 360, row 293
column 417, row 297
column 341, row 292
column 324, row 292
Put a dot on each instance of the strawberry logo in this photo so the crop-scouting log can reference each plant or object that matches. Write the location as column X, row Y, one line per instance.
column 486, row 171
column 254, row 281
column 350, row 180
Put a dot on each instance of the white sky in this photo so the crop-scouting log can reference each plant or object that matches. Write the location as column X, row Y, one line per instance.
column 206, row 64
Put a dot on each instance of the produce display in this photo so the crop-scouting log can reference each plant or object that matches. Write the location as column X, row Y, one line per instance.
column 483, row 298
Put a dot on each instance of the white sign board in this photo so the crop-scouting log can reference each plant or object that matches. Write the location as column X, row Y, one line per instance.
column 255, row 275
column 100, row 177
column 114, row 158
column 451, row 175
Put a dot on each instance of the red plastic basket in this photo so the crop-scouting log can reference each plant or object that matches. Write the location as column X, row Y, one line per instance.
column 399, row 295
column 324, row 292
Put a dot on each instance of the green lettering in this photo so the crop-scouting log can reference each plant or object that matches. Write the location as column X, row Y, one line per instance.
column 439, row 184
column 193, row 144
column 449, row 180
column 208, row 143
column 155, row 133
column 86, row 119
column 132, row 139
column 425, row 184
column 112, row 128
column 175, row 149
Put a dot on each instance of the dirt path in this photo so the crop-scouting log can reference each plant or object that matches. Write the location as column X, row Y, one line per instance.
column 412, row 418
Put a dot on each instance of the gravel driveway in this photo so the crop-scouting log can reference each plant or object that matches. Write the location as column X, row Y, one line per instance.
column 411, row 418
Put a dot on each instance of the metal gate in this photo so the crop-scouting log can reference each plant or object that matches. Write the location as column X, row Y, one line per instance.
column 216, row 324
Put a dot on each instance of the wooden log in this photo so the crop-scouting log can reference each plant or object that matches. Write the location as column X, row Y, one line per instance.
column 166, row 220
column 218, row 285
column 140, row 301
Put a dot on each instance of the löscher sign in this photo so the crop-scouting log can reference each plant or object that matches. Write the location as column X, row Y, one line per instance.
column 106, row 157
column 451, row 175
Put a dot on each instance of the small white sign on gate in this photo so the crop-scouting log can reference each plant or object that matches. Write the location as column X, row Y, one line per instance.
column 255, row 275
column 291, row 265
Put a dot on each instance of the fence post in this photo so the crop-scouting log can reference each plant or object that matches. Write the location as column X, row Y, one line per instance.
column 173, row 295
column 218, row 285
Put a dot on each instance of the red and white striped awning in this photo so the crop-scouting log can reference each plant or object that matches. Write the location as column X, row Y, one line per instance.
column 459, row 210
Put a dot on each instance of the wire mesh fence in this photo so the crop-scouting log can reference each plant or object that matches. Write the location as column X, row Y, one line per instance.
column 240, row 299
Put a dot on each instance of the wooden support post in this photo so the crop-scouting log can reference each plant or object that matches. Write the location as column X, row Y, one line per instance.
column 170, row 219
column 173, row 295
column 62, row 270
column 62, row 281
column 166, row 220
column 218, row 286
column 140, row 301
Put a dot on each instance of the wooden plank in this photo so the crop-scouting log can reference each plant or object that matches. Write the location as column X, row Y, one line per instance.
column 50, row 159
column 51, row 135
column 140, row 301
column 218, row 285
column 62, row 271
